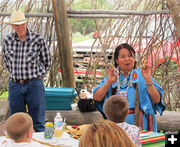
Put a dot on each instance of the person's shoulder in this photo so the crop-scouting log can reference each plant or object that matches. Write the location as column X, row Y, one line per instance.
column 35, row 34
column 138, row 70
column 9, row 37
column 33, row 144
column 132, row 127
column 36, row 144
column 123, row 125
column 135, row 127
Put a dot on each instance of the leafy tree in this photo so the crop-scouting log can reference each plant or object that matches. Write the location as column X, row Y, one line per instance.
column 85, row 26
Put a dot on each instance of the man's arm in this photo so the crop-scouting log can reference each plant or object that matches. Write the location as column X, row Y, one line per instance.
column 4, row 57
column 45, row 55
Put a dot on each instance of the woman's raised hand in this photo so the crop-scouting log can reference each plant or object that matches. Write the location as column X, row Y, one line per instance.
column 112, row 75
column 146, row 72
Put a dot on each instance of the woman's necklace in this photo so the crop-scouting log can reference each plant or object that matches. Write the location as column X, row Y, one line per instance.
column 125, row 73
column 124, row 83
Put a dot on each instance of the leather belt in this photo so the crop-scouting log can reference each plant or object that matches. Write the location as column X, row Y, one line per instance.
column 26, row 81
column 131, row 111
column 150, row 119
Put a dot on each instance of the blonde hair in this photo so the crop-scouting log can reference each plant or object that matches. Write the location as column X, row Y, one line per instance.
column 116, row 108
column 105, row 133
column 18, row 125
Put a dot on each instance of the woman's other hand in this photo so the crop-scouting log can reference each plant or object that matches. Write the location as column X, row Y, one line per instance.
column 146, row 72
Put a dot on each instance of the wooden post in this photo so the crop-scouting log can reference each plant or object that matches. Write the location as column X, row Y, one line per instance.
column 174, row 8
column 64, row 44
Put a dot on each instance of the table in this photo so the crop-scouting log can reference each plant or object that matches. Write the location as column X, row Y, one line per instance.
column 65, row 141
column 148, row 139
column 152, row 139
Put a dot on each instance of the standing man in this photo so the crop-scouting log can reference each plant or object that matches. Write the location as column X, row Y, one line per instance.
column 27, row 60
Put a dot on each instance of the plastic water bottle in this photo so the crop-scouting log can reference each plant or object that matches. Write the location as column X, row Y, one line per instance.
column 58, row 125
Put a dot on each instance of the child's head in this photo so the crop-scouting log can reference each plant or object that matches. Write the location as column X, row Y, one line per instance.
column 19, row 127
column 105, row 133
column 116, row 108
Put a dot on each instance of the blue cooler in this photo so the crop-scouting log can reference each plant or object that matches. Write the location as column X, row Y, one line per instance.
column 59, row 98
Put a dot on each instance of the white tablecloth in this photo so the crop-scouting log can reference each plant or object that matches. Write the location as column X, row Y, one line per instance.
column 65, row 140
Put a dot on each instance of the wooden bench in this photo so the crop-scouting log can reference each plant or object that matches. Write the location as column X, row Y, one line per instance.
column 169, row 121
column 74, row 117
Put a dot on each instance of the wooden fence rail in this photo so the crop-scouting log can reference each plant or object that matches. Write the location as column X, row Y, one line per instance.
column 96, row 13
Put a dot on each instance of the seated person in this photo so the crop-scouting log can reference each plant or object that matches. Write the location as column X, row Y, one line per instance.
column 143, row 93
column 19, row 127
column 116, row 109
column 105, row 133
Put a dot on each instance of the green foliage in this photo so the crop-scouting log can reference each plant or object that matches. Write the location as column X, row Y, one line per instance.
column 85, row 26
column 78, row 37
column 4, row 96
column 87, row 4
column 173, row 65
column 81, row 4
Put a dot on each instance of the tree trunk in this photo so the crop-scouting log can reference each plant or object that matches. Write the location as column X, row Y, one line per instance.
column 174, row 8
column 64, row 44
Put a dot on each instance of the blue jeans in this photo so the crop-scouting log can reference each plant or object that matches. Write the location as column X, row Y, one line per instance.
column 31, row 94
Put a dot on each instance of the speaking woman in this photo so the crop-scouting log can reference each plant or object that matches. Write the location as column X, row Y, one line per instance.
column 137, row 85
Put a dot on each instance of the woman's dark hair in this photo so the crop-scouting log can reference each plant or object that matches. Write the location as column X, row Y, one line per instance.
column 121, row 46
column 116, row 54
